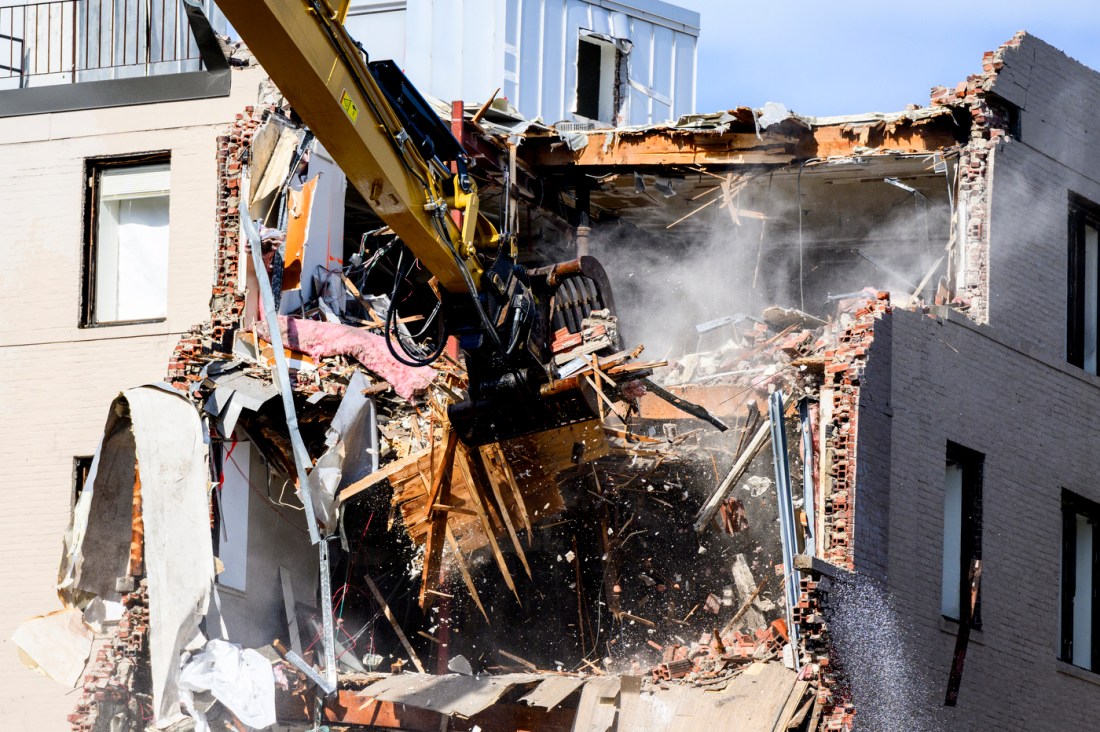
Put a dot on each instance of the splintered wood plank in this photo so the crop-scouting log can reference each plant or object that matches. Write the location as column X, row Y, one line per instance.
column 460, row 562
column 553, row 450
column 393, row 622
column 506, row 517
column 439, row 490
column 394, row 468
column 462, row 461
column 493, row 455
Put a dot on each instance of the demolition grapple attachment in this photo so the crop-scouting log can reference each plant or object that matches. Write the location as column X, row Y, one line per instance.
column 570, row 318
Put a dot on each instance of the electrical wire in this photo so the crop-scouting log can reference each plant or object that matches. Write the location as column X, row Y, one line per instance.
column 266, row 499
column 391, row 334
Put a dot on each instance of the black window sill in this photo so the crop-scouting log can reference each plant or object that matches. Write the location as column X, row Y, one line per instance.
column 951, row 627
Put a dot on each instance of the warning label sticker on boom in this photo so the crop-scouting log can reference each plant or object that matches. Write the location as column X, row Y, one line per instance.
column 350, row 109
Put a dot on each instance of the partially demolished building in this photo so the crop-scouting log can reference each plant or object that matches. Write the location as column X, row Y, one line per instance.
column 854, row 464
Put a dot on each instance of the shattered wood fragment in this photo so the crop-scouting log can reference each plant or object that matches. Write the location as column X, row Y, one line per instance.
column 393, row 622
column 969, row 605
column 593, row 667
column 632, row 436
column 710, row 508
column 800, row 714
column 505, row 515
column 438, row 491
column 462, row 459
column 517, row 659
column 378, row 476
column 429, row 636
column 637, row 619
column 137, row 528
column 444, row 508
column 733, row 516
column 597, row 386
column 494, row 455
column 793, row 704
column 584, row 626
column 465, row 572
column 693, row 409
column 744, row 607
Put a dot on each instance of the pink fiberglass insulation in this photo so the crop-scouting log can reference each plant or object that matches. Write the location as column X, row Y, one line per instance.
column 319, row 339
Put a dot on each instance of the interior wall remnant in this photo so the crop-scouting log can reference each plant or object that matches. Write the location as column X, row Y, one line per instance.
column 325, row 239
column 166, row 445
column 991, row 125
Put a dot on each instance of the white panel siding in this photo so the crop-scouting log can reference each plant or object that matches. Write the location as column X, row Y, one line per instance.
column 419, row 48
column 482, row 60
column 641, row 70
column 577, row 17
column 511, row 50
column 662, row 72
column 453, row 49
column 449, row 55
column 530, row 56
column 382, row 32
column 601, row 20
column 553, row 59
column 683, row 90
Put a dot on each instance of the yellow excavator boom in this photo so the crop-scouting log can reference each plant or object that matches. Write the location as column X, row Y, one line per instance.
column 304, row 48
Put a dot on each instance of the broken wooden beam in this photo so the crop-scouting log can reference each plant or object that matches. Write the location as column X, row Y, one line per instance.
column 438, row 492
column 693, row 409
column 460, row 562
column 710, row 508
column 819, row 567
column 393, row 622
column 954, row 679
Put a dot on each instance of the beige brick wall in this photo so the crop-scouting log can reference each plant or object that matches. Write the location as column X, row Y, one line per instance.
column 58, row 379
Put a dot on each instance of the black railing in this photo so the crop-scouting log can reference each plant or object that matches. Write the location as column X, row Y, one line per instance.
column 68, row 41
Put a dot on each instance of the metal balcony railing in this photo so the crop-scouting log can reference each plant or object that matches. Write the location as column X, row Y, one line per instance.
column 70, row 41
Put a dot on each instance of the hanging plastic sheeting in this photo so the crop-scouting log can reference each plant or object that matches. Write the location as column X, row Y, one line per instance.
column 351, row 443
column 56, row 645
column 241, row 679
column 153, row 431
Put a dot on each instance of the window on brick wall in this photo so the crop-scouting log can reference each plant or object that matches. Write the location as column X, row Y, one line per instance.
column 1084, row 284
column 1080, row 622
column 962, row 531
column 125, row 272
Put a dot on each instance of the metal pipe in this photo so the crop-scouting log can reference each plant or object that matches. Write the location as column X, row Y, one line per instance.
column 786, row 516
column 301, row 455
column 808, row 475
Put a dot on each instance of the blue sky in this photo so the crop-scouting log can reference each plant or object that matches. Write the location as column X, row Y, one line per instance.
column 827, row 58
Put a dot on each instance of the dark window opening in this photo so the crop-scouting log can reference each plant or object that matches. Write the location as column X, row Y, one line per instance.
column 1084, row 284
column 124, row 273
column 1080, row 617
column 601, row 74
column 82, row 465
column 962, row 532
column 589, row 56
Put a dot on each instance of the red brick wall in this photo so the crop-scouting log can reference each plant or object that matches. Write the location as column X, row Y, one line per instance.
column 215, row 336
